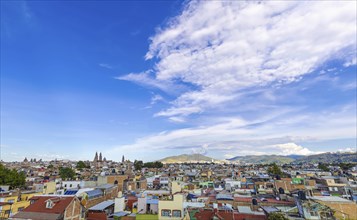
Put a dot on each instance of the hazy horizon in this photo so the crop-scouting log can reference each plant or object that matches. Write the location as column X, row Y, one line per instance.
column 157, row 159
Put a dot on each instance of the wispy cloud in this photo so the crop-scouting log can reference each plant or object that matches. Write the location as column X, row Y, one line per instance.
column 156, row 98
column 347, row 150
column 148, row 79
column 250, row 73
column 27, row 13
column 224, row 48
column 136, row 32
column 105, row 65
column 236, row 136
column 9, row 154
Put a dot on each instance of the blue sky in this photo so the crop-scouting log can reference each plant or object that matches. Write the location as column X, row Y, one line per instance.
column 153, row 79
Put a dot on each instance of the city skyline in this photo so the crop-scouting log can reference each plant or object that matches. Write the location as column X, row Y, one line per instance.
column 154, row 79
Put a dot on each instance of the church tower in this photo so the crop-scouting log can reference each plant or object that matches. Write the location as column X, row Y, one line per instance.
column 100, row 156
column 95, row 157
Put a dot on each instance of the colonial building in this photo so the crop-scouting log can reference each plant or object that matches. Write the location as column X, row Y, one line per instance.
column 99, row 162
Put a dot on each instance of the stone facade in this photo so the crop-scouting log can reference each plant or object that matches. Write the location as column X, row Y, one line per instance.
column 73, row 211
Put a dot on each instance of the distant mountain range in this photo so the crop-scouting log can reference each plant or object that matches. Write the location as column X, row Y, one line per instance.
column 267, row 159
column 262, row 159
column 187, row 158
column 329, row 158
column 316, row 158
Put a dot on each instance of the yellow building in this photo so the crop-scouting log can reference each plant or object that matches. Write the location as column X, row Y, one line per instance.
column 176, row 187
column 49, row 188
column 16, row 203
column 172, row 209
column 5, row 206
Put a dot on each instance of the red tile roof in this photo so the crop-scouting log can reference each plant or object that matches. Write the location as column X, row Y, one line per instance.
column 243, row 199
column 227, row 215
column 97, row 216
column 60, row 204
column 268, row 200
column 131, row 200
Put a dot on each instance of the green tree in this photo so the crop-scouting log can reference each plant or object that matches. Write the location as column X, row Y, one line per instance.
column 277, row 216
column 156, row 164
column 346, row 166
column 138, row 164
column 275, row 170
column 11, row 177
column 50, row 166
column 81, row 165
column 66, row 173
column 323, row 167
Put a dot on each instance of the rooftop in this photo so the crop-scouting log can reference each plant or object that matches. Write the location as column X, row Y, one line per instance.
column 329, row 199
column 38, row 209
column 101, row 206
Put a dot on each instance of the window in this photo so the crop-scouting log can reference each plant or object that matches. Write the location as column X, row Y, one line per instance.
column 176, row 213
column 313, row 213
column 70, row 185
column 11, row 201
column 49, row 204
column 336, row 189
column 65, row 185
column 20, row 209
column 7, row 213
column 166, row 212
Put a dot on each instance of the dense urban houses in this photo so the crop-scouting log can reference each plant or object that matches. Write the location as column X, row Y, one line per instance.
column 106, row 189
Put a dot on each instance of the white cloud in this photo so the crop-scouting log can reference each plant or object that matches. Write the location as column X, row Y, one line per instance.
column 272, row 134
column 229, row 156
column 146, row 79
column 201, row 150
column 105, row 65
column 292, row 148
column 223, row 48
column 238, row 66
column 27, row 12
column 47, row 157
column 351, row 62
column 347, row 149
column 156, row 98
column 14, row 156
column 177, row 119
